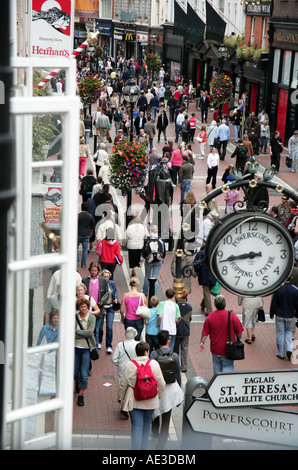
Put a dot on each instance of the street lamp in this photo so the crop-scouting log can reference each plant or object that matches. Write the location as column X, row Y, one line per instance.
column 223, row 53
column 91, row 51
column 130, row 93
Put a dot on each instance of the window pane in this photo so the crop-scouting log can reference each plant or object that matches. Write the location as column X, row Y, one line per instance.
column 286, row 68
column 295, row 71
column 276, row 63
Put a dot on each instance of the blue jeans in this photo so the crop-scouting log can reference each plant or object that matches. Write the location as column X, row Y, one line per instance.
column 140, row 428
column 294, row 156
column 184, row 188
column 151, row 270
column 85, row 243
column 137, row 324
column 264, row 142
column 172, row 342
column 81, row 367
column 109, row 316
column 222, row 364
column 236, row 130
column 175, row 172
column 178, row 129
column 284, row 334
column 154, row 111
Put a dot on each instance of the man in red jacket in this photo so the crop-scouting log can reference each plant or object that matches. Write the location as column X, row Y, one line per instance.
column 216, row 326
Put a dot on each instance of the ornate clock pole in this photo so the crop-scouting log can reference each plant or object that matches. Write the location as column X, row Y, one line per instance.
column 248, row 251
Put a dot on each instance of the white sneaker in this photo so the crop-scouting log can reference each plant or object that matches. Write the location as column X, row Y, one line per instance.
column 99, row 345
column 109, row 350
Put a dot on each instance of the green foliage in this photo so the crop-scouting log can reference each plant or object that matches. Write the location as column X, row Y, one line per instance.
column 43, row 134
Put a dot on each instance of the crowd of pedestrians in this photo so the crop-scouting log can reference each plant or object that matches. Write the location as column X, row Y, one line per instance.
column 167, row 330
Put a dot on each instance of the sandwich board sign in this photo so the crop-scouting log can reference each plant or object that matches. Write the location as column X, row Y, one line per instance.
column 257, row 388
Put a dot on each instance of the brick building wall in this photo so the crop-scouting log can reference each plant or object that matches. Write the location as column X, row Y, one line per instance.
column 285, row 9
column 258, row 31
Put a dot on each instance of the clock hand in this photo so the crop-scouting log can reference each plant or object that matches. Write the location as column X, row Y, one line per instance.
column 250, row 255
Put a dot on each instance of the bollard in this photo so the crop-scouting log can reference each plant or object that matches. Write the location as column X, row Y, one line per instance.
column 192, row 440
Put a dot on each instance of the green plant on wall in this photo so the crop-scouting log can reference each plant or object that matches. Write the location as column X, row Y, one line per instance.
column 244, row 51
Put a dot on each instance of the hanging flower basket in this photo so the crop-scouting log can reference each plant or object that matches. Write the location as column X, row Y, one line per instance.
column 128, row 165
column 221, row 89
column 153, row 63
column 89, row 89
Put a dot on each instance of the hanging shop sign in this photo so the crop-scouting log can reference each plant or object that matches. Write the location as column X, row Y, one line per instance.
column 52, row 28
column 142, row 38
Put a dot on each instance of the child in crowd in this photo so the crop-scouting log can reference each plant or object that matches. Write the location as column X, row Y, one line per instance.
column 151, row 324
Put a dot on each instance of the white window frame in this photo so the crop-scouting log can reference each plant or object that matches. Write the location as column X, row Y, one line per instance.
column 22, row 108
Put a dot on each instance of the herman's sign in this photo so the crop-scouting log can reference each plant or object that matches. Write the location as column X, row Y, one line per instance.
column 257, row 388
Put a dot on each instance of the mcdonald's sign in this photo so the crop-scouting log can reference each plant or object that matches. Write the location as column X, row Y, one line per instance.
column 129, row 37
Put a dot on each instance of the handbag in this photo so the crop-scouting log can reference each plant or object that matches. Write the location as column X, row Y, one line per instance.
column 215, row 289
column 288, row 161
column 200, row 139
column 261, row 315
column 143, row 311
column 98, row 249
column 235, row 349
column 93, row 353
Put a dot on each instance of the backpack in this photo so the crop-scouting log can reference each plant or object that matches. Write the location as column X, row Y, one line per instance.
column 86, row 186
column 167, row 364
column 146, row 384
column 153, row 250
column 291, row 226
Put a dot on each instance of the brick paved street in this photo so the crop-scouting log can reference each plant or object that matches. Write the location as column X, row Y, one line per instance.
column 99, row 424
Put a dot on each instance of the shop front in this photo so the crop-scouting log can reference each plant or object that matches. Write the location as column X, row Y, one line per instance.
column 106, row 32
column 173, row 53
column 282, row 88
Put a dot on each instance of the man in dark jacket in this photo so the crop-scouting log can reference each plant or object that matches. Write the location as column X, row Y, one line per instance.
column 172, row 104
column 241, row 156
column 284, row 305
column 97, row 286
column 206, row 280
column 140, row 122
column 185, row 177
column 142, row 103
column 185, row 130
column 85, row 229
column 162, row 124
column 183, row 330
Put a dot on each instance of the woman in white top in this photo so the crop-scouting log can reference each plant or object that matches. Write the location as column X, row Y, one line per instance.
column 212, row 167
column 81, row 293
column 100, row 156
column 265, row 135
column 211, row 134
column 125, row 351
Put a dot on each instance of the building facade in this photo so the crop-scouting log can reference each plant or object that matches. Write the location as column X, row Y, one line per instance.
column 283, row 68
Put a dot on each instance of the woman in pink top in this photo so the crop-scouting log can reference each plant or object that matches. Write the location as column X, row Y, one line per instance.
column 202, row 138
column 129, row 304
column 176, row 161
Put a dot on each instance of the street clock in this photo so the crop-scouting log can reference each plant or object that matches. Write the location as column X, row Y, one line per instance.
column 250, row 254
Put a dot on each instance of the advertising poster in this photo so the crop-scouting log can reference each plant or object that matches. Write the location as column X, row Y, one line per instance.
column 52, row 28
column 52, row 207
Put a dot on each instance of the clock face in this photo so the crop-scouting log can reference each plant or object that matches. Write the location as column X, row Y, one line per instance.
column 251, row 255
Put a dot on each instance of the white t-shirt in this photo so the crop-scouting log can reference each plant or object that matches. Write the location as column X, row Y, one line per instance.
column 169, row 311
